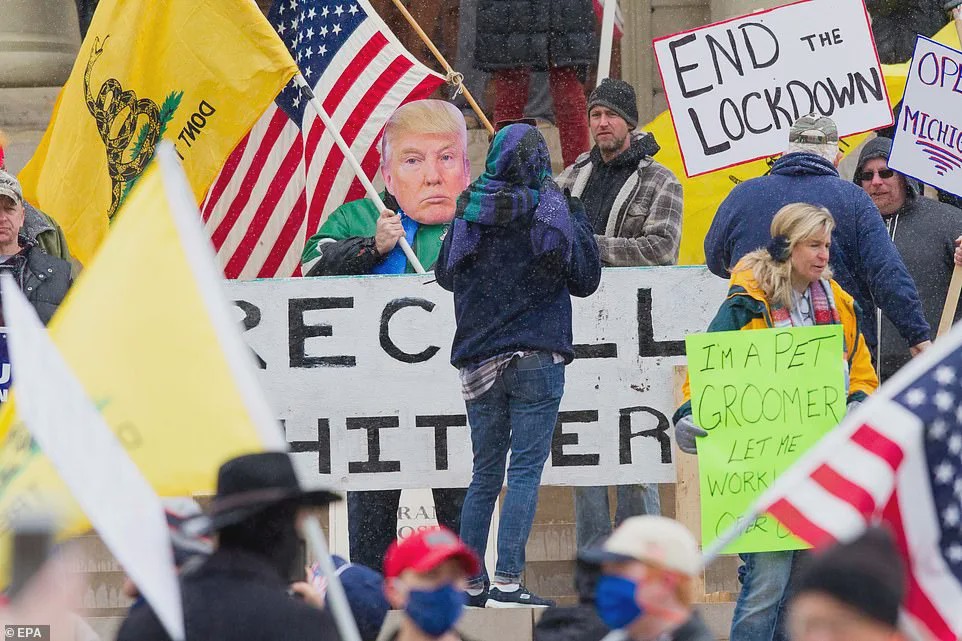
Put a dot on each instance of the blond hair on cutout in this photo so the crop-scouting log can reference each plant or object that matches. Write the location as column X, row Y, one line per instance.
column 797, row 222
column 426, row 117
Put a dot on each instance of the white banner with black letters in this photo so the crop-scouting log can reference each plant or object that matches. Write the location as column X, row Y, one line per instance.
column 358, row 371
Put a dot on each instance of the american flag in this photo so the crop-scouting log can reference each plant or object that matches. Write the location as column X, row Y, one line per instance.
column 896, row 460
column 599, row 6
column 285, row 176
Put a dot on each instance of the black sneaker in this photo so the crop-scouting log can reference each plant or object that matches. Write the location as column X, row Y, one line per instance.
column 517, row 599
column 476, row 601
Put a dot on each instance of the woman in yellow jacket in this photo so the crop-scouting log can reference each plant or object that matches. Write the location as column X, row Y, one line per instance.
column 785, row 284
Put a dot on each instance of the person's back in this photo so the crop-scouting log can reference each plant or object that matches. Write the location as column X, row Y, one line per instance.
column 240, row 593
column 523, row 303
column 864, row 260
column 235, row 596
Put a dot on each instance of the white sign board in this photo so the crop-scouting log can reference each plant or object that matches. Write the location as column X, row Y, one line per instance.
column 734, row 88
column 358, row 370
column 928, row 135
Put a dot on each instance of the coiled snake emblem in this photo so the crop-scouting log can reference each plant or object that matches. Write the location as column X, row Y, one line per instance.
column 118, row 113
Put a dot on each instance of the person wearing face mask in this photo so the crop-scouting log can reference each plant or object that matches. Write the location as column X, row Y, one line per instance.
column 646, row 589
column 240, row 593
column 425, row 577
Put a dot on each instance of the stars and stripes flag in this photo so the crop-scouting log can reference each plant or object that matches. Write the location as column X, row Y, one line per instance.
column 895, row 460
column 286, row 175
column 599, row 6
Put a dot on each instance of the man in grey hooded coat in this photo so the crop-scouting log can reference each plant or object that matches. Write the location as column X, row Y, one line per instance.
column 924, row 232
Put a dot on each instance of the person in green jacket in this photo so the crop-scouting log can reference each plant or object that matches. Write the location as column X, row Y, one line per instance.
column 424, row 163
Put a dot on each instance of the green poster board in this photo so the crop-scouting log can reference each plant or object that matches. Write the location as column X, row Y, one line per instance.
column 764, row 397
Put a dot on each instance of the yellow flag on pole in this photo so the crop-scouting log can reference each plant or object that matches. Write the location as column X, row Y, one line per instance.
column 149, row 334
column 703, row 194
column 196, row 72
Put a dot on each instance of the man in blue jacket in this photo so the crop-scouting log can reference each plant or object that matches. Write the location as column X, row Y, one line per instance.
column 864, row 259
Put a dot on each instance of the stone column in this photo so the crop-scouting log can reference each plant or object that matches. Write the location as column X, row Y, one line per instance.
column 39, row 40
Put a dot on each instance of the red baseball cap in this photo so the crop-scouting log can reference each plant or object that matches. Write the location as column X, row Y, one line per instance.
column 427, row 550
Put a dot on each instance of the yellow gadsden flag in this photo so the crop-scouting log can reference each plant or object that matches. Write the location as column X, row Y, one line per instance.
column 196, row 72
column 703, row 194
column 149, row 334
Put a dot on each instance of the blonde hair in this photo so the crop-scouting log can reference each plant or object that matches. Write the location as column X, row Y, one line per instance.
column 796, row 222
column 428, row 117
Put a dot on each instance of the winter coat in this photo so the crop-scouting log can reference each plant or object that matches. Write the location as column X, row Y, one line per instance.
column 644, row 223
column 896, row 23
column 44, row 279
column 344, row 245
column 863, row 258
column 235, row 596
column 924, row 232
column 535, row 33
column 508, row 299
column 747, row 307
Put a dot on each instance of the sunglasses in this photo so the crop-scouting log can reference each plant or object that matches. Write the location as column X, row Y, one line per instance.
column 884, row 174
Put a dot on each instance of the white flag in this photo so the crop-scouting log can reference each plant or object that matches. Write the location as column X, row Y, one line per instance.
column 107, row 484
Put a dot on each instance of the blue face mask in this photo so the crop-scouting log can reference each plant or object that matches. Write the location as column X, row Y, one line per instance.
column 435, row 611
column 615, row 601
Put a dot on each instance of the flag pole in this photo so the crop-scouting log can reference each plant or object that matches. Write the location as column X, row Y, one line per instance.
column 607, row 38
column 340, row 608
column 454, row 77
column 728, row 536
column 951, row 301
column 355, row 165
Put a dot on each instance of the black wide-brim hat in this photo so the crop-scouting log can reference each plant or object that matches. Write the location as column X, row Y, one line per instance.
column 249, row 484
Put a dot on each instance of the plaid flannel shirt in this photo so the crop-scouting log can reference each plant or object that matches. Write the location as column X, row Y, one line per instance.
column 644, row 227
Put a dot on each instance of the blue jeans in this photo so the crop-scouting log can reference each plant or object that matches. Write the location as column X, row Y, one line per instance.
column 593, row 514
column 518, row 413
column 760, row 613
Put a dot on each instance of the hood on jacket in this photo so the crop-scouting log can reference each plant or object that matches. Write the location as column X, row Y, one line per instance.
column 35, row 222
column 802, row 163
column 881, row 147
column 744, row 278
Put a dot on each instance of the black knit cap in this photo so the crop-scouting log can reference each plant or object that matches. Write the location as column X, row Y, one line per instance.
column 618, row 96
column 866, row 574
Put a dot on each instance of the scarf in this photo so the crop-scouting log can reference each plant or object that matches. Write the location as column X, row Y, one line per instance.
column 516, row 187
column 823, row 307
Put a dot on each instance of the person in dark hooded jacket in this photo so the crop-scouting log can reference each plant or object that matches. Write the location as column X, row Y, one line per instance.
column 517, row 252
column 897, row 23
column 923, row 230
column 515, row 37
column 865, row 262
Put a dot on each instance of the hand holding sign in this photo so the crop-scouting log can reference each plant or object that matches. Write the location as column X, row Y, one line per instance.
column 764, row 397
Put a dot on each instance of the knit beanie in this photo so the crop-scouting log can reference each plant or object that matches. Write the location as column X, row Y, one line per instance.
column 866, row 575
column 618, row 96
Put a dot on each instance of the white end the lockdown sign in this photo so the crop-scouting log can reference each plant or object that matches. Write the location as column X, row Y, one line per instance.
column 358, row 371
column 928, row 136
column 734, row 88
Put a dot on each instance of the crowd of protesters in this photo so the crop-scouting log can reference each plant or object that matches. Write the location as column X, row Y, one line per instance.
column 800, row 246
